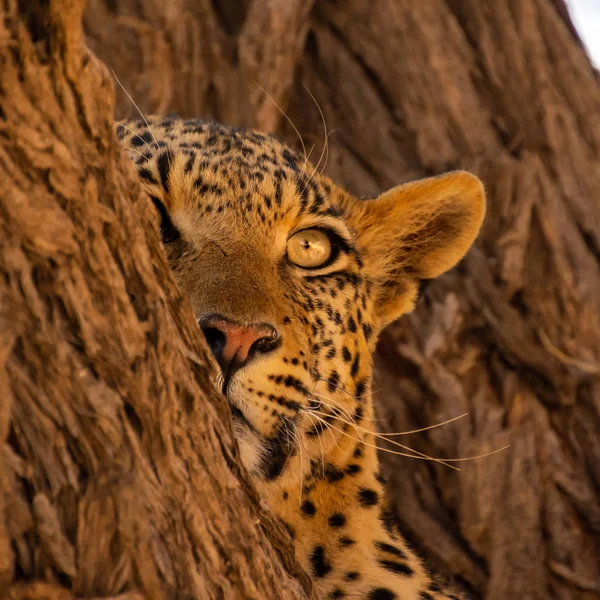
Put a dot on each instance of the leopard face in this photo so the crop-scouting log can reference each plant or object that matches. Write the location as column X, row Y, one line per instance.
column 292, row 279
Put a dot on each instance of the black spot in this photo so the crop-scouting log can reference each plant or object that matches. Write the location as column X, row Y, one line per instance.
column 163, row 164
column 308, row 508
column 316, row 429
column 333, row 381
column 355, row 365
column 345, row 541
column 141, row 139
column 391, row 550
column 168, row 231
column 353, row 469
column 379, row 477
column 285, row 495
column 351, row 575
column 367, row 497
column 278, row 193
column 346, row 354
column 279, row 448
column 189, row 164
column 358, row 414
column 337, row 520
column 337, row 593
column 358, row 452
column 295, row 383
column 147, row 175
column 361, row 386
column 425, row 596
column 352, row 325
column 333, row 473
column 396, row 567
column 435, row 587
column 320, row 565
column 381, row 594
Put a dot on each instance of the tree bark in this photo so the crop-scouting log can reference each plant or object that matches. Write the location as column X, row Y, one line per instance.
column 511, row 336
column 119, row 474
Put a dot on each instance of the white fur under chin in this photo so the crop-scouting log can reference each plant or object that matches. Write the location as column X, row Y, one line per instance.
column 251, row 447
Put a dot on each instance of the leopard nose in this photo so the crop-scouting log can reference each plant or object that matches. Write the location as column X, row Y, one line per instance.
column 234, row 344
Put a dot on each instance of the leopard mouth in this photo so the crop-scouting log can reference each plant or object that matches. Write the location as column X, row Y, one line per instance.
column 237, row 414
column 230, row 370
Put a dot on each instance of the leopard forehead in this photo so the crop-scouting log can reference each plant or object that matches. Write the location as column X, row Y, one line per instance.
column 206, row 167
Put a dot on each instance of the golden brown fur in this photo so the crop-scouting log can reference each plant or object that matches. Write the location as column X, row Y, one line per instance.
column 230, row 200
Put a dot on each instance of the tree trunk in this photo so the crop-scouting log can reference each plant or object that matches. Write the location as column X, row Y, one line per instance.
column 119, row 474
column 511, row 336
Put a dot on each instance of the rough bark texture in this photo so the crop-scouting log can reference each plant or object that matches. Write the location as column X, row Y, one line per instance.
column 119, row 475
column 511, row 337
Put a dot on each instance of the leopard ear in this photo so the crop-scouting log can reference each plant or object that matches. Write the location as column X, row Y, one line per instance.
column 416, row 231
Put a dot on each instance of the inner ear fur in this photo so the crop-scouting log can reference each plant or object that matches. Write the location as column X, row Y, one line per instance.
column 415, row 231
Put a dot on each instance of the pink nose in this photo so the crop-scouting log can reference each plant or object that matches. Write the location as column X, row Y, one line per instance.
column 233, row 345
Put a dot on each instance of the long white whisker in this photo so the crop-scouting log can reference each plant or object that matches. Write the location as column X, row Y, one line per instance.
column 418, row 454
column 285, row 115
column 136, row 106
column 334, row 405
column 301, row 471
column 136, row 151
column 134, row 133
column 424, row 457
column 294, row 439
column 421, row 455
column 338, row 406
column 328, row 425
column 325, row 134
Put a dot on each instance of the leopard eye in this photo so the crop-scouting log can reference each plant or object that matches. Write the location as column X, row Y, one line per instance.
column 309, row 248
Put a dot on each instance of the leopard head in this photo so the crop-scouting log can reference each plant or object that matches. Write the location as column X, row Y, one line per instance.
column 292, row 278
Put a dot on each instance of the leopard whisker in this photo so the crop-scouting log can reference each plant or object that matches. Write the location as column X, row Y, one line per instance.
column 478, row 456
column 300, row 439
column 391, row 434
column 294, row 436
column 327, row 153
column 334, row 405
column 417, row 453
column 286, row 116
column 405, row 454
column 343, row 391
column 136, row 151
column 134, row 133
column 330, row 428
column 322, row 453
column 325, row 135
column 136, row 106
column 328, row 425
column 440, row 460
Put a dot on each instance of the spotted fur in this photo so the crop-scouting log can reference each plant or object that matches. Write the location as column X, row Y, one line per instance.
column 229, row 199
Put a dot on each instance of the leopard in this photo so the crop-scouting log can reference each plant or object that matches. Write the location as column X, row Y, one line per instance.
column 291, row 279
